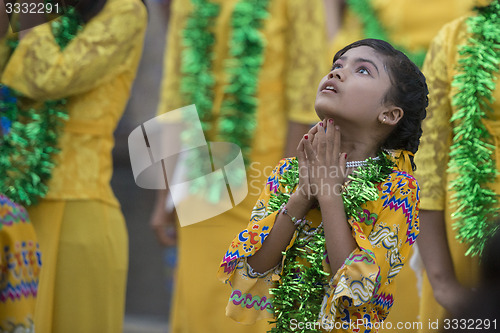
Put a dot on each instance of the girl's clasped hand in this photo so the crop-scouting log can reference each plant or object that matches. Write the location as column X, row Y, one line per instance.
column 322, row 166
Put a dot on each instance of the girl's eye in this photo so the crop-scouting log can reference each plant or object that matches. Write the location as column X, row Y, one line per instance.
column 336, row 66
column 363, row 70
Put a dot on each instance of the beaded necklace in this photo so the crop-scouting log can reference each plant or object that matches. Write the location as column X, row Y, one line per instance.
column 300, row 291
column 472, row 153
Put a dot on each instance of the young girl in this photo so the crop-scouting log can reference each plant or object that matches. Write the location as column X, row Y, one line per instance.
column 334, row 226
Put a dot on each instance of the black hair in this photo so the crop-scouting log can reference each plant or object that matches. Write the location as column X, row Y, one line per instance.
column 88, row 8
column 408, row 91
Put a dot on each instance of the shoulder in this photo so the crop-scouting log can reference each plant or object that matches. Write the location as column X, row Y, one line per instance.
column 136, row 7
column 289, row 164
column 284, row 165
column 451, row 35
column 400, row 184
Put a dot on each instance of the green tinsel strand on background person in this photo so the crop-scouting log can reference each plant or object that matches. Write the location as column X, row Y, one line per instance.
column 28, row 148
column 197, row 84
column 237, row 116
column 472, row 152
column 238, row 110
column 372, row 28
column 300, row 292
column 67, row 27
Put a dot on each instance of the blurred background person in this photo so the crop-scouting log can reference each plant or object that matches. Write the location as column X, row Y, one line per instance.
column 482, row 310
column 285, row 73
column 86, row 60
column 458, row 161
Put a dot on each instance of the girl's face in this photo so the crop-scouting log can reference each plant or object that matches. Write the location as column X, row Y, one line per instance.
column 354, row 90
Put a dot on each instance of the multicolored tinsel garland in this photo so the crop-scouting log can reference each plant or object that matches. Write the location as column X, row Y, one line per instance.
column 373, row 28
column 237, row 117
column 300, row 292
column 30, row 135
column 472, row 155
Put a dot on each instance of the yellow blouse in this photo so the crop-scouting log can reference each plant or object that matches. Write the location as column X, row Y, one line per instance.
column 95, row 73
column 293, row 66
column 409, row 23
column 432, row 156
column 360, row 294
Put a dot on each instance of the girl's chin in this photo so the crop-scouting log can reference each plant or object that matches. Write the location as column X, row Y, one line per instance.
column 323, row 109
column 324, row 113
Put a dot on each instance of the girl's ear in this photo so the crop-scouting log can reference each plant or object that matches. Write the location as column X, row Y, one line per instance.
column 391, row 116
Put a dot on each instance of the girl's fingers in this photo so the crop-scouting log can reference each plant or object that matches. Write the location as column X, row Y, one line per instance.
column 303, row 168
column 342, row 164
column 301, row 155
column 336, row 142
column 330, row 142
column 310, row 154
column 320, row 139
column 312, row 135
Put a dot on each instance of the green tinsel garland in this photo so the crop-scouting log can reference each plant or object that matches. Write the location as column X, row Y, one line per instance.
column 30, row 142
column 373, row 28
column 301, row 290
column 237, row 118
column 197, row 77
column 472, row 154
column 237, row 124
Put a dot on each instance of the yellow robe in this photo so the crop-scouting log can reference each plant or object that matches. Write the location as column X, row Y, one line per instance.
column 432, row 157
column 20, row 262
column 293, row 66
column 79, row 224
column 412, row 25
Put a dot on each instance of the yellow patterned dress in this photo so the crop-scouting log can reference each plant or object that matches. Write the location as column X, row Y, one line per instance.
column 360, row 294
column 293, row 64
column 79, row 224
column 432, row 157
column 412, row 25
column 20, row 262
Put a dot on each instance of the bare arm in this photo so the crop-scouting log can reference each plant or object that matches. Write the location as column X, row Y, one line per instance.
column 328, row 177
column 163, row 222
column 333, row 11
column 338, row 235
column 433, row 247
column 299, row 204
column 271, row 252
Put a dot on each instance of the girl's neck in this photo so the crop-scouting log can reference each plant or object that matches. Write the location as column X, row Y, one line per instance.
column 358, row 149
